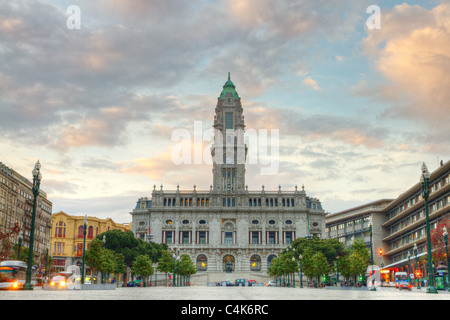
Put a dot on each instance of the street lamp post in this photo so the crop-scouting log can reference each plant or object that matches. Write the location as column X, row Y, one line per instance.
column 415, row 253
column 46, row 266
column 20, row 244
column 37, row 177
column 446, row 251
column 173, row 269
column 103, row 246
column 293, row 271
column 84, row 248
column 174, row 256
column 301, row 272
column 425, row 180
column 337, row 270
column 371, row 256
column 178, row 271
column 409, row 267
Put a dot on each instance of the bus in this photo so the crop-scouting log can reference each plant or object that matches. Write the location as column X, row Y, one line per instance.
column 401, row 281
column 13, row 274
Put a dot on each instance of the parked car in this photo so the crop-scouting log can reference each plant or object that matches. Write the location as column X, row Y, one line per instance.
column 134, row 283
column 242, row 282
column 225, row 284
column 60, row 280
column 271, row 283
column 252, row 281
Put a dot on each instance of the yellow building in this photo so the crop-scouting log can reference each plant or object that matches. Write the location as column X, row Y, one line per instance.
column 66, row 237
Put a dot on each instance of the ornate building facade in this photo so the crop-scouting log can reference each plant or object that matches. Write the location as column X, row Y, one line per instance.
column 228, row 222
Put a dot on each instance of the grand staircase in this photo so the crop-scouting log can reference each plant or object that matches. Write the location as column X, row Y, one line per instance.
column 212, row 277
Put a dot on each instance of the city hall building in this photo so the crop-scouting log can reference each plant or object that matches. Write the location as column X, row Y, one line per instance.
column 228, row 222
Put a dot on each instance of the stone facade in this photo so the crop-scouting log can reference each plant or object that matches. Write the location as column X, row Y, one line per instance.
column 16, row 206
column 228, row 222
column 354, row 223
column 398, row 224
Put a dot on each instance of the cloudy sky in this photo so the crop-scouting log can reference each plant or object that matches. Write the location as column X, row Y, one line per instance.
column 358, row 110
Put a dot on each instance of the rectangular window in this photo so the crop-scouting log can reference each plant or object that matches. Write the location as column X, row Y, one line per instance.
column 228, row 237
column 202, row 237
column 288, row 237
column 254, row 235
column 169, row 237
column 271, row 237
column 229, row 121
column 185, row 237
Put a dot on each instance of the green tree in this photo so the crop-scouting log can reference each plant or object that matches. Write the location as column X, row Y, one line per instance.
column 281, row 267
column 109, row 262
column 23, row 253
column 330, row 248
column 315, row 264
column 6, row 246
column 275, row 269
column 359, row 247
column 165, row 262
column 142, row 267
column 358, row 265
column 320, row 265
column 355, row 261
column 345, row 266
column 94, row 256
column 121, row 267
column 187, row 267
column 129, row 247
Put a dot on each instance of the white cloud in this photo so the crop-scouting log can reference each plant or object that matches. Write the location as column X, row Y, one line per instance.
column 311, row 83
column 412, row 52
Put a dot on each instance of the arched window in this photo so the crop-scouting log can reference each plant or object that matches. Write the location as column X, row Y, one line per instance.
column 255, row 263
column 90, row 232
column 226, row 259
column 80, row 231
column 269, row 260
column 60, row 230
column 202, row 263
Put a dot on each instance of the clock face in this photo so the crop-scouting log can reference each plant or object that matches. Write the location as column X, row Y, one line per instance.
column 229, row 160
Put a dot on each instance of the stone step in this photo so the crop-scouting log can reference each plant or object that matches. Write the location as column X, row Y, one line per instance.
column 211, row 278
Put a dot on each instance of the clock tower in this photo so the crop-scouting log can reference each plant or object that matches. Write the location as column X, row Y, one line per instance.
column 229, row 150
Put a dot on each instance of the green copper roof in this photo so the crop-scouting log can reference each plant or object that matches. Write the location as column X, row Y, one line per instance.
column 229, row 87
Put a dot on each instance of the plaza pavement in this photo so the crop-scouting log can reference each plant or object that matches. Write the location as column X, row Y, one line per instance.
column 224, row 294
column 209, row 302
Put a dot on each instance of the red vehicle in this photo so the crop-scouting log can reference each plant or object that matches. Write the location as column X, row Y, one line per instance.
column 243, row 283
column 252, row 281
column 401, row 281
